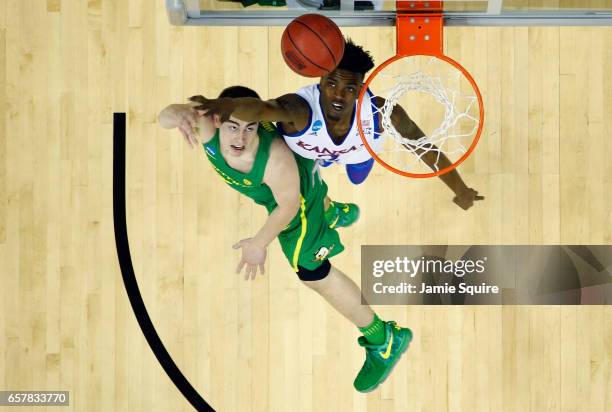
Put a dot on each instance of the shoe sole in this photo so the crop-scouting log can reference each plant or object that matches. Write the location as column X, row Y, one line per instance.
column 403, row 349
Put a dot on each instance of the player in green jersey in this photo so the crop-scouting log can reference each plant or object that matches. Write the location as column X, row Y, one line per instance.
column 253, row 159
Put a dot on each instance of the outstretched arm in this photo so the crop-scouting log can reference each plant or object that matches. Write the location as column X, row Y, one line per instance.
column 290, row 110
column 282, row 178
column 464, row 195
column 195, row 127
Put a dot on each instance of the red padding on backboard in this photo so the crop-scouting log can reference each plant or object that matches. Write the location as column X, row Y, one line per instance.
column 419, row 34
column 418, row 6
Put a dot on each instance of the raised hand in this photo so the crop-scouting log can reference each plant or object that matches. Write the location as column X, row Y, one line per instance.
column 253, row 256
column 223, row 107
column 466, row 199
column 185, row 118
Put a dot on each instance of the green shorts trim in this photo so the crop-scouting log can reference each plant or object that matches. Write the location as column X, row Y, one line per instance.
column 303, row 229
column 312, row 241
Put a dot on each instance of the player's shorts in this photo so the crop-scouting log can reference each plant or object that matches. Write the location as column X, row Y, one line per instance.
column 310, row 241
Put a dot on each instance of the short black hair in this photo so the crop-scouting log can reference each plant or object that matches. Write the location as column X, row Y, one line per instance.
column 238, row 91
column 355, row 59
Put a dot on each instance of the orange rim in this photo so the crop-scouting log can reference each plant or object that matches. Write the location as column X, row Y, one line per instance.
column 441, row 171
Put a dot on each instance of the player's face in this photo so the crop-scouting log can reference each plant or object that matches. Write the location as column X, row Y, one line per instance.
column 339, row 92
column 236, row 136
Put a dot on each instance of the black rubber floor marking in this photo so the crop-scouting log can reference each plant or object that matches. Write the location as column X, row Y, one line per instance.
column 127, row 271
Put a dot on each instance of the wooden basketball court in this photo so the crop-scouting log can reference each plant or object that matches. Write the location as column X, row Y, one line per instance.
column 272, row 344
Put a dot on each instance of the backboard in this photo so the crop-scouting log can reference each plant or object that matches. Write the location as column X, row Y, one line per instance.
column 383, row 12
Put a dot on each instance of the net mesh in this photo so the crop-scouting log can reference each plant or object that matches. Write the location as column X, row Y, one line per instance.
column 449, row 128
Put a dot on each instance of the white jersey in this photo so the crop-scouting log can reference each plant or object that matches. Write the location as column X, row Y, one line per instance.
column 314, row 142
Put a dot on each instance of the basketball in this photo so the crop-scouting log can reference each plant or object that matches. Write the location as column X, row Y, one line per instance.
column 312, row 45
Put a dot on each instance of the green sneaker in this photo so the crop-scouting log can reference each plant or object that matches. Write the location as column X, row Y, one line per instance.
column 380, row 359
column 341, row 214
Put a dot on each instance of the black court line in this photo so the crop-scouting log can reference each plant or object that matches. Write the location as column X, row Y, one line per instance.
column 127, row 271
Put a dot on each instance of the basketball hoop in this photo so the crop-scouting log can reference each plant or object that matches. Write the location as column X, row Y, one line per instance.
column 418, row 73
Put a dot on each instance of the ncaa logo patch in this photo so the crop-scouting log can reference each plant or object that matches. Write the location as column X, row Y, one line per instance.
column 316, row 126
column 210, row 151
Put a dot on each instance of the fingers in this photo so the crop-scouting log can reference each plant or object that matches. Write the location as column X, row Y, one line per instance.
column 465, row 206
column 188, row 126
column 462, row 203
column 194, row 136
column 204, row 104
column 192, row 118
column 186, row 134
column 467, row 199
column 255, row 271
column 476, row 196
column 248, row 273
column 209, row 108
column 210, row 112
column 240, row 266
column 202, row 108
column 198, row 99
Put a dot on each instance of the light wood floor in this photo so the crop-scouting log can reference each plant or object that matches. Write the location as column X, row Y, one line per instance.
column 65, row 321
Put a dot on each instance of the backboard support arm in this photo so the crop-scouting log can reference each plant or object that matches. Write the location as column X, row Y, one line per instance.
column 420, row 27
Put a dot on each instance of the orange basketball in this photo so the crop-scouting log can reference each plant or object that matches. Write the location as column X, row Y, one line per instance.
column 312, row 45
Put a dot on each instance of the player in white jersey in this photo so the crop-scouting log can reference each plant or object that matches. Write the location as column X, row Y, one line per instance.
column 315, row 141
column 319, row 122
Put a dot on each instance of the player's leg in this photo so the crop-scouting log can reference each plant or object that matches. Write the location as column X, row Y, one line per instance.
column 384, row 342
column 358, row 172
column 308, row 247
column 340, row 291
column 338, row 214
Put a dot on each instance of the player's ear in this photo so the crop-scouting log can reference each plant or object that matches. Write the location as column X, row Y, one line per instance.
column 216, row 121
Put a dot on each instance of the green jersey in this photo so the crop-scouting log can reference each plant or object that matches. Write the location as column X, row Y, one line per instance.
column 307, row 240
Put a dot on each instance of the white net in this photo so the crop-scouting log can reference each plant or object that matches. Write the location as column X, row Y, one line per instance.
column 439, row 99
